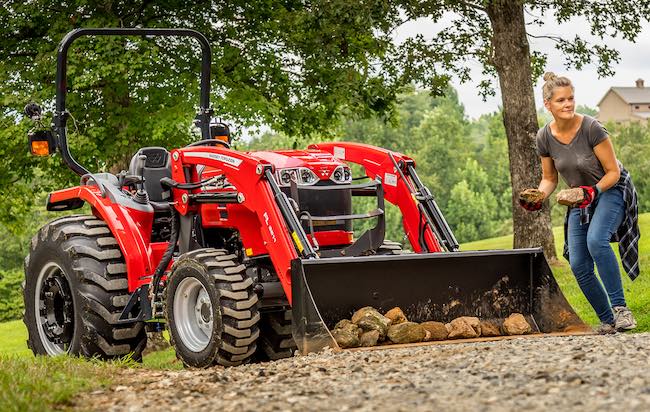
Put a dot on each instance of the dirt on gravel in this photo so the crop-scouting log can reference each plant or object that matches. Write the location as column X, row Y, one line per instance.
column 546, row 373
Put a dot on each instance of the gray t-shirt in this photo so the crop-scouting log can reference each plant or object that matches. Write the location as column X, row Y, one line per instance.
column 576, row 161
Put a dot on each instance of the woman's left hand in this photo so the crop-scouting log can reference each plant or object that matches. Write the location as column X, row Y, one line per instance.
column 590, row 194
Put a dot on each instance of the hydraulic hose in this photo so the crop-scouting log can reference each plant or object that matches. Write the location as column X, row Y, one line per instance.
column 167, row 256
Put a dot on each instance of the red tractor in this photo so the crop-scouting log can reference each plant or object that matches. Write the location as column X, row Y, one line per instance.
column 249, row 255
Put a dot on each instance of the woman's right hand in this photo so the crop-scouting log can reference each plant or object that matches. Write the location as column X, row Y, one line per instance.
column 531, row 199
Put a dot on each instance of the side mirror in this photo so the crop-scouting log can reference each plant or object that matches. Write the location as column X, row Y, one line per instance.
column 33, row 111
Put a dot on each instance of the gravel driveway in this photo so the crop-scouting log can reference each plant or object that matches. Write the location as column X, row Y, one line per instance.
column 551, row 373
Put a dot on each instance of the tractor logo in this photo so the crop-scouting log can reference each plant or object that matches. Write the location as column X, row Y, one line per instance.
column 266, row 222
column 218, row 157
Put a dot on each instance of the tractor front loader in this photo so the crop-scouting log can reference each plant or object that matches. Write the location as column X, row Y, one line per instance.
column 251, row 255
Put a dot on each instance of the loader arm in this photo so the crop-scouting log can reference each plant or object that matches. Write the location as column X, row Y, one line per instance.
column 257, row 191
column 423, row 222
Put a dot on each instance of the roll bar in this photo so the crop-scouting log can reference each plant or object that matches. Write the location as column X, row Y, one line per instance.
column 61, row 115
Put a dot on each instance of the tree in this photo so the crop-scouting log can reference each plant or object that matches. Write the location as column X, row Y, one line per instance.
column 632, row 143
column 472, row 208
column 496, row 32
column 292, row 65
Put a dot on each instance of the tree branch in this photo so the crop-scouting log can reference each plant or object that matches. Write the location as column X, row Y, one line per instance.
column 471, row 5
column 556, row 39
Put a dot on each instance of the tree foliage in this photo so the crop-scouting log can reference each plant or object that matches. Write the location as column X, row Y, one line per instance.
column 294, row 66
column 11, row 296
column 467, row 36
column 298, row 67
column 496, row 34
column 463, row 162
column 632, row 145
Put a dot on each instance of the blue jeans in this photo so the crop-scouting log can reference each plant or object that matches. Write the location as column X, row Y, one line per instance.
column 589, row 243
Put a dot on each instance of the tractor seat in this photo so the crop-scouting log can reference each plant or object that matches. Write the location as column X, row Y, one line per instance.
column 157, row 166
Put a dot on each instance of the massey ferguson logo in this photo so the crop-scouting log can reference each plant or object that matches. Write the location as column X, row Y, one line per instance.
column 270, row 228
column 324, row 172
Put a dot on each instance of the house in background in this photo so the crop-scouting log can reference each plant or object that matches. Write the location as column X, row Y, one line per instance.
column 625, row 104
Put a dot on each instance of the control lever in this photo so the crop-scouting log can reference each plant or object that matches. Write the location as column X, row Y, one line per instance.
column 141, row 195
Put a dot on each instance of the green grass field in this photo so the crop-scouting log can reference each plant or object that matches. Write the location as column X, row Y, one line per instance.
column 34, row 384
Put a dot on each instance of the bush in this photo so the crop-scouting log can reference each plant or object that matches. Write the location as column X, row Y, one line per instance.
column 11, row 296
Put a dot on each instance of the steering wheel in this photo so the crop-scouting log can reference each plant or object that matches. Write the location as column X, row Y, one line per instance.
column 209, row 142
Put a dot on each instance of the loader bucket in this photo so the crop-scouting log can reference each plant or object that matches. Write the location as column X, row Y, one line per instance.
column 434, row 286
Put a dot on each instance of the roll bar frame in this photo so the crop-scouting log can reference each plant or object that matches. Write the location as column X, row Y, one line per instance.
column 60, row 119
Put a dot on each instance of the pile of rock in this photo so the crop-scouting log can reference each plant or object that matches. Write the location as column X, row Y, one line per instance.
column 368, row 327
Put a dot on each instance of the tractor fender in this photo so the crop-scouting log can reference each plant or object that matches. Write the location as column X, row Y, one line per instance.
column 131, row 226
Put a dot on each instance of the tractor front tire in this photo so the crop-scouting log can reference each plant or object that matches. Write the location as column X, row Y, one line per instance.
column 211, row 309
column 276, row 341
column 75, row 290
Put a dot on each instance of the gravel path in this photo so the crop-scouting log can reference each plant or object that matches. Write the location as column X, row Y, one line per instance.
column 553, row 373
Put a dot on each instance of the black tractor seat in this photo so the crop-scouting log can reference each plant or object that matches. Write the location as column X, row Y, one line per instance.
column 157, row 166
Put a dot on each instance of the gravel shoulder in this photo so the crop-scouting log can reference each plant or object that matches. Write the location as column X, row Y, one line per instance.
column 550, row 373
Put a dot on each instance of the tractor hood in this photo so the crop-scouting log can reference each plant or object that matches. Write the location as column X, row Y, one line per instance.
column 321, row 163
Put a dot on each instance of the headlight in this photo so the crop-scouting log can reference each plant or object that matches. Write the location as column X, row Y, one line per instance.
column 307, row 177
column 285, row 176
column 302, row 176
column 342, row 175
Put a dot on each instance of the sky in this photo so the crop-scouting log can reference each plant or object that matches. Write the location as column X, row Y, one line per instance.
column 634, row 63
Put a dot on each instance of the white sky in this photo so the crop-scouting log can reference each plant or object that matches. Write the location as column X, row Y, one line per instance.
column 634, row 63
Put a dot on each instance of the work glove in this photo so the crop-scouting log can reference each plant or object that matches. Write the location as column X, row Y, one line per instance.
column 590, row 194
column 531, row 199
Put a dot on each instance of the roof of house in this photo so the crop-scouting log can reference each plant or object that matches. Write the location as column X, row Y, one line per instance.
column 630, row 95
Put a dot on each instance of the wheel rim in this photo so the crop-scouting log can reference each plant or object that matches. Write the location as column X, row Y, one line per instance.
column 193, row 314
column 54, row 310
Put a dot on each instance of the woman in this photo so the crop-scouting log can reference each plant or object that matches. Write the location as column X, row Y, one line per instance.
column 578, row 147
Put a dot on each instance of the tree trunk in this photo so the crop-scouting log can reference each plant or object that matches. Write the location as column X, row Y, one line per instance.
column 511, row 58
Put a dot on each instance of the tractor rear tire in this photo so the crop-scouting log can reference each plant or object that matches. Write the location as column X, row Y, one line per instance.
column 211, row 309
column 75, row 290
column 276, row 341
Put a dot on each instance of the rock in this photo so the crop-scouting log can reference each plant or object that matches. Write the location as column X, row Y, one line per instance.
column 343, row 323
column 346, row 334
column 570, row 197
column 396, row 316
column 406, row 332
column 490, row 328
column 531, row 195
column 437, row 330
column 427, row 335
column 459, row 328
column 369, row 319
column 361, row 313
column 474, row 322
column 369, row 338
column 516, row 324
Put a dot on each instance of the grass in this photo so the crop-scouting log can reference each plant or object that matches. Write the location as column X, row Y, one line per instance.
column 38, row 384
column 14, row 338
column 637, row 293
column 29, row 383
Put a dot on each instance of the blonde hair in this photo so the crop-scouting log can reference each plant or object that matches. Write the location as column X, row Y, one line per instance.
column 553, row 81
